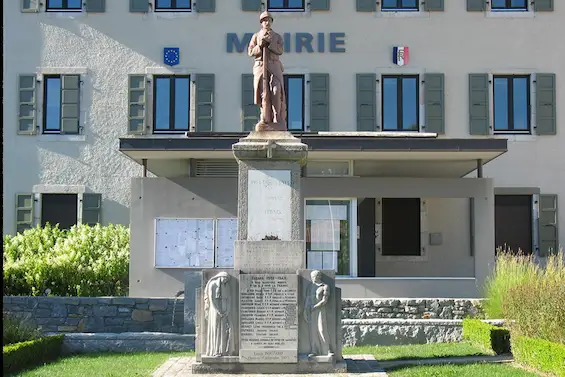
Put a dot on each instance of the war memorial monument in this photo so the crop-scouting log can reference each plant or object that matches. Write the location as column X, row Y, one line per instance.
column 269, row 314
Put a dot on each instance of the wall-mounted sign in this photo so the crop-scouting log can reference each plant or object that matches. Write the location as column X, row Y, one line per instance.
column 171, row 55
column 400, row 55
column 293, row 42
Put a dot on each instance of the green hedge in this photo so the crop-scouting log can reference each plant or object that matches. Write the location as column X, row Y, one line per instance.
column 487, row 336
column 83, row 261
column 32, row 353
column 540, row 354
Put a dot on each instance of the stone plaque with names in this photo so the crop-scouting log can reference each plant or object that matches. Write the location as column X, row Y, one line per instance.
column 269, row 256
column 268, row 317
column 269, row 204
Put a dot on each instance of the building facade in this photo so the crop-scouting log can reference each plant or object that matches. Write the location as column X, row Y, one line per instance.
column 434, row 129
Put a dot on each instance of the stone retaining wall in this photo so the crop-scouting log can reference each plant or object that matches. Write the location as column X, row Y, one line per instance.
column 127, row 314
column 98, row 314
column 410, row 308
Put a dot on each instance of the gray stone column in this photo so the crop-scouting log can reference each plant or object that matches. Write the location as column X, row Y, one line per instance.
column 484, row 234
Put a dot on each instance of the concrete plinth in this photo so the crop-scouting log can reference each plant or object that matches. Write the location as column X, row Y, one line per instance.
column 304, row 365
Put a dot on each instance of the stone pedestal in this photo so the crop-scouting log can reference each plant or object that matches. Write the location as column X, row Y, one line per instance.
column 259, row 317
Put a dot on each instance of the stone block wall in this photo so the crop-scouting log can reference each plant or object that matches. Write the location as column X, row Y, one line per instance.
column 98, row 314
column 127, row 314
column 409, row 308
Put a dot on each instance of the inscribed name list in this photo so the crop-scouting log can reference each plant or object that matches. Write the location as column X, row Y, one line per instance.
column 268, row 318
column 269, row 204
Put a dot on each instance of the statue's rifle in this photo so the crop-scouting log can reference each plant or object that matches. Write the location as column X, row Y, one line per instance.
column 267, row 108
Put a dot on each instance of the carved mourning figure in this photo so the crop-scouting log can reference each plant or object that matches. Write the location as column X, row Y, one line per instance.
column 217, row 303
column 266, row 47
column 317, row 296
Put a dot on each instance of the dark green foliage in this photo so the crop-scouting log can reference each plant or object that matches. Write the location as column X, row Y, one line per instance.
column 15, row 329
column 540, row 354
column 487, row 336
column 32, row 353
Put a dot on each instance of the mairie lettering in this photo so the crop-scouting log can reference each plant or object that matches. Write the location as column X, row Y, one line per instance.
column 293, row 42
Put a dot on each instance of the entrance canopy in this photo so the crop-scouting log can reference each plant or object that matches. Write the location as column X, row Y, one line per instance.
column 386, row 153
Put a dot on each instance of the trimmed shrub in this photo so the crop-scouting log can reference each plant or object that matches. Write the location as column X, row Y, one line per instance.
column 15, row 330
column 487, row 336
column 540, row 354
column 23, row 355
column 83, row 261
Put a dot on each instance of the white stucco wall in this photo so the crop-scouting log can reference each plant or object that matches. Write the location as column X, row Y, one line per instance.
column 111, row 45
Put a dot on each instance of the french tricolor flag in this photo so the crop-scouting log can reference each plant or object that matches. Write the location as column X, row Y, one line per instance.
column 400, row 55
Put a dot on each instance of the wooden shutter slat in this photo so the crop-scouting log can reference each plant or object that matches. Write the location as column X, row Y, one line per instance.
column 479, row 107
column 95, row 6
column 434, row 97
column 546, row 114
column 548, row 225
column 366, row 5
column 316, row 5
column 204, row 102
column 251, row 5
column 250, row 111
column 366, row 101
column 137, row 97
column 91, row 208
column 434, row 5
column 139, row 6
column 70, row 104
column 24, row 211
column 27, row 108
column 205, row 6
column 543, row 5
column 476, row 5
column 319, row 102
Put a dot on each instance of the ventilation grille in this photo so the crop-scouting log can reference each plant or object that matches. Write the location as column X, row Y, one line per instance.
column 215, row 168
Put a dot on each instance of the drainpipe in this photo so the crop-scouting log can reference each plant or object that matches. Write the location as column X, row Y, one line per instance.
column 479, row 168
column 144, row 163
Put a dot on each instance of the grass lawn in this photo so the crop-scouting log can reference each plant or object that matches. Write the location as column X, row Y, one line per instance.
column 103, row 365
column 469, row 370
column 417, row 351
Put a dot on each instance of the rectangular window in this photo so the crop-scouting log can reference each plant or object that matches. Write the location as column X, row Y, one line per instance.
column 512, row 104
column 396, row 5
column 64, row 5
column 328, row 225
column 509, row 4
column 294, row 91
column 172, row 5
column 285, row 5
column 400, row 103
column 52, row 105
column 61, row 97
column 59, row 209
column 401, row 227
column 171, row 96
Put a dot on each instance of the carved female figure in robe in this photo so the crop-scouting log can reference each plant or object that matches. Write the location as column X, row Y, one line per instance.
column 317, row 297
column 217, row 303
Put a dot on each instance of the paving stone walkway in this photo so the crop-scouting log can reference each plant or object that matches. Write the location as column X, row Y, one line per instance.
column 356, row 365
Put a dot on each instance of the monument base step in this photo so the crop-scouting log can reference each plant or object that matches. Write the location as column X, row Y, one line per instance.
column 304, row 365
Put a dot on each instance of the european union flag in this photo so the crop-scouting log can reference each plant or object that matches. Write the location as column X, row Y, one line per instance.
column 171, row 55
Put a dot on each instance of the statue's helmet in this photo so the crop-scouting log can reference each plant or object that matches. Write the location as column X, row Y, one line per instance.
column 264, row 15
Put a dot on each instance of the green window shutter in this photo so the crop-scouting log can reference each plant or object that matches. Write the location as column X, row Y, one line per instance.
column 548, row 227
column 251, row 5
column 543, row 5
column 476, row 5
column 319, row 102
column 366, row 101
column 206, row 6
column 139, row 6
column 434, row 6
column 27, row 114
column 91, row 208
column 70, row 104
column 546, row 114
column 204, row 102
column 319, row 4
column 434, row 97
column 95, row 6
column 30, row 6
column 137, row 94
column 479, row 104
column 250, row 111
column 366, row 5
column 24, row 212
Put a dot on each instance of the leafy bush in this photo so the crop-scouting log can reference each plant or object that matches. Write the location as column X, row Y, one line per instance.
column 15, row 330
column 487, row 336
column 531, row 296
column 31, row 353
column 540, row 354
column 83, row 261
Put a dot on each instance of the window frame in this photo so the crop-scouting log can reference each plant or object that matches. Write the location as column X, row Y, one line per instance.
column 172, row 96
column 510, row 101
column 286, row 77
column 64, row 7
column 400, row 7
column 399, row 102
column 508, row 7
column 172, row 8
column 285, row 7
column 45, row 99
